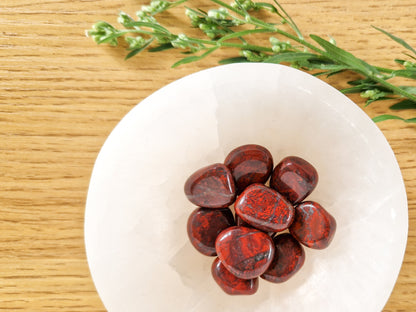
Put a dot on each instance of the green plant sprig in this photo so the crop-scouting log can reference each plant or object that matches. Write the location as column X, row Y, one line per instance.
column 223, row 28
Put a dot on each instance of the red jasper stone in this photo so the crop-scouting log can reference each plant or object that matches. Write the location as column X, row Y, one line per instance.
column 205, row 224
column 245, row 252
column 211, row 187
column 249, row 164
column 294, row 178
column 231, row 284
column 289, row 257
column 264, row 208
column 313, row 226
column 241, row 222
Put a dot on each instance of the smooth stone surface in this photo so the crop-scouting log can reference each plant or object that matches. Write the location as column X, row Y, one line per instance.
column 211, row 187
column 294, row 178
column 288, row 259
column 231, row 284
column 241, row 222
column 264, row 208
column 245, row 252
column 249, row 164
column 204, row 225
column 313, row 226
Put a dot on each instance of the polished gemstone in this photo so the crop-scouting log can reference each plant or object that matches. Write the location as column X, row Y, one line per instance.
column 245, row 252
column 211, row 187
column 313, row 226
column 264, row 208
column 205, row 224
column 294, row 178
column 231, row 284
column 288, row 259
column 241, row 222
column 249, row 164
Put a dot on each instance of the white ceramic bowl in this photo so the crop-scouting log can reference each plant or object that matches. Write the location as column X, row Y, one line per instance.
column 135, row 221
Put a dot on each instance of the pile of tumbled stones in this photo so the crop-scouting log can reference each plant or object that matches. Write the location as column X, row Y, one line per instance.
column 246, row 243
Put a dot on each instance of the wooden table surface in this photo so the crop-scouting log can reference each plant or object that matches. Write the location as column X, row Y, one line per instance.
column 61, row 95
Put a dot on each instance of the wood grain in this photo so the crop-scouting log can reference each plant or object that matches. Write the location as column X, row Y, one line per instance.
column 61, row 95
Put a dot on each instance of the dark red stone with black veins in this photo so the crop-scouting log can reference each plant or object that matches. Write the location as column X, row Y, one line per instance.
column 313, row 226
column 211, row 187
column 231, row 284
column 205, row 224
column 294, row 178
column 241, row 222
column 264, row 208
column 289, row 257
column 249, row 164
column 245, row 252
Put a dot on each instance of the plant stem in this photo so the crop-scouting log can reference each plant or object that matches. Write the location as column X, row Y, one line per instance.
column 259, row 23
column 384, row 70
column 246, row 46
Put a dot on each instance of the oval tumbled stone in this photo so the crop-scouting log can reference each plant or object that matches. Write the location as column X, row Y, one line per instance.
column 313, row 226
column 249, row 164
column 205, row 224
column 231, row 284
column 241, row 222
column 294, row 178
column 245, row 252
column 211, row 187
column 289, row 257
column 264, row 208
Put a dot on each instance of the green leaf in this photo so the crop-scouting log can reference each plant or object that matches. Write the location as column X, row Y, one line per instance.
column 193, row 58
column 242, row 33
column 201, row 11
column 162, row 47
column 289, row 57
column 405, row 104
column 409, row 89
column 355, row 89
column 231, row 60
column 411, row 56
column 322, row 73
column 344, row 57
column 397, row 39
column 359, row 86
column 137, row 51
column 329, row 73
column 186, row 60
column 388, row 117
column 408, row 73
column 367, row 81
column 368, row 102
column 334, row 72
